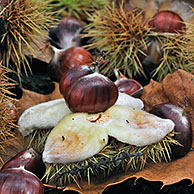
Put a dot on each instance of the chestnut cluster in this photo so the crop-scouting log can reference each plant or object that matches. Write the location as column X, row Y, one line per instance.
column 86, row 90
column 82, row 86
column 66, row 43
column 21, row 174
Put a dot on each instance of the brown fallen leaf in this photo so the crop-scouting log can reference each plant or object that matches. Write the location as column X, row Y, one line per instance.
column 17, row 146
column 42, row 51
column 173, row 89
column 30, row 98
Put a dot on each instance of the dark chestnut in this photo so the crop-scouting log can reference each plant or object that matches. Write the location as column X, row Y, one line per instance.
column 66, row 34
column 32, row 162
column 19, row 181
column 167, row 21
column 64, row 60
column 86, row 90
column 128, row 86
column 183, row 128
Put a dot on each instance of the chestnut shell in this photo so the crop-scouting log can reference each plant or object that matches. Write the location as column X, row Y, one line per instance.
column 32, row 162
column 71, row 76
column 67, row 59
column 183, row 128
column 167, row 21
column 130, row 87
column 13, row 112
column 19, row 181
column 85, row 90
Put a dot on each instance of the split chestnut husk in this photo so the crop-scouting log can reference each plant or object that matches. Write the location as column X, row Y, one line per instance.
column 22, row 23
column 183, row 128
column 32, row 162
column 135, row 47
column 114, row 157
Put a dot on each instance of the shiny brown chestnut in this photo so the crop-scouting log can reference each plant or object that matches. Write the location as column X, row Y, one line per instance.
column 167, row 21
column 19, row 181
column 12, row 112
column 64, row 60
column 128, row 86
column 183, row 128
column 86, row 90
column 32, row 161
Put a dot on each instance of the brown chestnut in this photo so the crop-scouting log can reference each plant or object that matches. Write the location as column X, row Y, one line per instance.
column 183, row 129
column 32, row 162
column 128, row 86
column 167, row 21
column 63, row 60
column 86, row 90
column 12, row 110
column 19, row 181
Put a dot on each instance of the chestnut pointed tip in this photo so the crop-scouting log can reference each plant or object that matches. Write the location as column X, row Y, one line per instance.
column 138, row 93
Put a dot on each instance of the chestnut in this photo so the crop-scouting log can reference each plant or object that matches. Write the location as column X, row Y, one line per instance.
column 86, row 90
column 32, row 162
column 66, row 34
column 64, row 60
column 19, row 181
column 11, row 108
column 167, row 21
column 128, row 85
column 183, row 129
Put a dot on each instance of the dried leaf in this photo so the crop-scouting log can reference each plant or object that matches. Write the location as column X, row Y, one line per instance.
column 30, row 98
column 173, row 89
column 11, row 151
column 43, row 50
